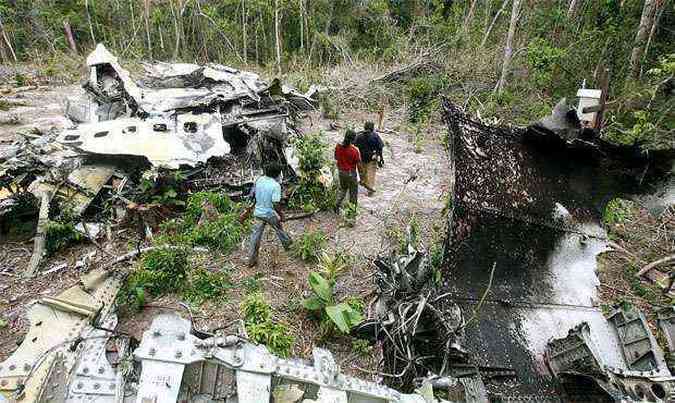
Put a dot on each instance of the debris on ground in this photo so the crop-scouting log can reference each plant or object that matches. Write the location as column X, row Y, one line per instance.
column 73, row 352
column 215, row 123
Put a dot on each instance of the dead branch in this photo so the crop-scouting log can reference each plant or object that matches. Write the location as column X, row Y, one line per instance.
column 655, row 264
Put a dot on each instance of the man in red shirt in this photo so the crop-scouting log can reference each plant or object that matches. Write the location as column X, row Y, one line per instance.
column 347, row 157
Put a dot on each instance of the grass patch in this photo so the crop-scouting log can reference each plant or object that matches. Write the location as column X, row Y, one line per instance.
column 617, row 211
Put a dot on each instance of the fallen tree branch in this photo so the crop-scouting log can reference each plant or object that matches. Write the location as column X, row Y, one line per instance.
column 40, row 236
column 655, row 264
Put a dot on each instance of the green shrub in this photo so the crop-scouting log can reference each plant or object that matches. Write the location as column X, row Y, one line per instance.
column 60, row 234
column 616, row 211
column 255, row 309
column 311, row 149
column 205, row 285
column 222, row 233
column 422, row 93
column 260, row 327
column 311, row 195
column 309, row 246
column 162, row 270
column 349, row 213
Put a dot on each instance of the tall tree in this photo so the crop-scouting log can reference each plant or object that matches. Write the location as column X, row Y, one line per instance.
column 508, row 48
column 646, row 21
column 494, row 21
column 277, row 39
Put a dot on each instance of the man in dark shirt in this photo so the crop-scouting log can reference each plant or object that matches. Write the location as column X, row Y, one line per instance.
column 370, row 145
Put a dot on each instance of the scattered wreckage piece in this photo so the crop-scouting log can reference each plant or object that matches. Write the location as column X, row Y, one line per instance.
column 58, row 326
column 641, row 376
column 183, row 139
column 422, row 330
column 170, row 364
column 666, row 323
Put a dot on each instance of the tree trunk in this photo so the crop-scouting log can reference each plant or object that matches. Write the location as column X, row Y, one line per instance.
column 69, row 36
column 244, row 50
column 655, row 25
column 146, row 16
column 508, row 49
column 494, row 21
column 6, row 40
column 469, row 15
column 277, row 39
column 91, row 28
column 646, row 21
column 177, row 31
column 302, row 26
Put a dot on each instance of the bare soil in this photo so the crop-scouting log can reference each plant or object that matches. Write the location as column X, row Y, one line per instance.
column 282, row 278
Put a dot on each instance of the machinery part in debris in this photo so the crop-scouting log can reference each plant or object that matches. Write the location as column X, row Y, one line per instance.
column 642, row 376
column 640, row 349
column 39, row 248
column 666, row 322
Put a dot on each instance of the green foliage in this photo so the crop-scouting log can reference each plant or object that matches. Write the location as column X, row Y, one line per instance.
column 311, row 195
column 260, row 327
column 343, row 315
column 309, row 246
column 60, row 234
column 329, row 108
column 252, row 283
column 255, row 309
column 164, row 189
column 161, row 271
column 311, row 149
column 616, row 211
column 350, row 212
column 332, row 265
column 361, row 347
column 207, row 285
column 222, row 232
column 543, row 60
column 422, row 93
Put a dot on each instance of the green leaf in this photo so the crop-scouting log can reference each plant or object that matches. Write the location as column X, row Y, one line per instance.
column 320, row 286
column 340, row 315
column 312, row 303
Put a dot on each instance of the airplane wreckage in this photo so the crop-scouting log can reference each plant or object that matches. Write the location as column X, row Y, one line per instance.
column 184, row 115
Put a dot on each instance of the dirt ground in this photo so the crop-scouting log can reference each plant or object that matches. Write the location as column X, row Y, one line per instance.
column 282, row 278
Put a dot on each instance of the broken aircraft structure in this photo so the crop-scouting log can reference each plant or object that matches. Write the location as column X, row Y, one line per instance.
column 177, row 116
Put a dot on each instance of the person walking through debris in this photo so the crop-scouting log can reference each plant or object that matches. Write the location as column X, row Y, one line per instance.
column 347, row 157
column 370, row 145
column 266, row 210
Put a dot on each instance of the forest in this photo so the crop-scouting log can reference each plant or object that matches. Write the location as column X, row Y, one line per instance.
column 509, row 59
column 175, row 226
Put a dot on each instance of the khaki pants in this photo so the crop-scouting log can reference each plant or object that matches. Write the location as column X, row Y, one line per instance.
column 367, row 172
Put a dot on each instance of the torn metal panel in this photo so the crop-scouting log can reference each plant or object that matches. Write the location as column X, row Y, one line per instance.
column 53, row 330
column 186, row 139
column 640, row 349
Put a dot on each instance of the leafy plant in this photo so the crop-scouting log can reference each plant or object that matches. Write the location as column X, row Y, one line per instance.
column 205, row 285
column 252, row 283
column 616, row 211
column 349, row 213
column 60, row 234
column 222, row 232
column 310, row 245
column 361, row 347
column 162, row 270
column 260, row 327
column 311, row 153
column 331, row 265
column 342, row 315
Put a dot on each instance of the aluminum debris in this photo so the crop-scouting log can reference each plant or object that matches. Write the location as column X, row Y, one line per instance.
column 67, row 356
